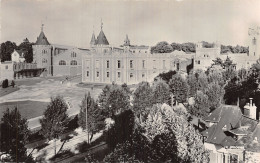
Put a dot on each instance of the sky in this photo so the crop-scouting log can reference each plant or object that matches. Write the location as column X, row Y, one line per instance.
column 72, row 22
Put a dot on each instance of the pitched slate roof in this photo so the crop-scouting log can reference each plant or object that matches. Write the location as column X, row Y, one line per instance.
column 101, row 39
column 42, row 39
column 225, row 116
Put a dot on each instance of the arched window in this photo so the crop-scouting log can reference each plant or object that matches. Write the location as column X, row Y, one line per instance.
column 73, row 54
column 62, row 62
column 73, row 62
column 44, row 60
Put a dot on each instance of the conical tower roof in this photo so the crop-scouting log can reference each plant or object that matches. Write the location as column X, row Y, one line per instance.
column 93, row 39
column 42, row 39
column 127, row 41
column 101, row 39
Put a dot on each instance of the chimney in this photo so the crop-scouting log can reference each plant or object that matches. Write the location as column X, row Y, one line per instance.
column 250, row 109
column 251, row 99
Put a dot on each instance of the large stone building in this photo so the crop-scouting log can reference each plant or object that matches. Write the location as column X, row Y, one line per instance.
column 204, row 56
column 127, row 64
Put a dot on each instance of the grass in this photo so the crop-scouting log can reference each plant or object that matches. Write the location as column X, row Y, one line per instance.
column 28, row 109
column 6, row 91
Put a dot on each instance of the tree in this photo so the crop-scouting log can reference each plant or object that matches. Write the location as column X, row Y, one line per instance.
column 161, row 93
column 27, row 49
column 114, row 99
column 122, row 130
column 12, row 83
column 142, row 98
column 166, row 76
column 5, row 83
column 179, row 88
column 180, row 141
column 162, row 47
column 192, row 81
column 7, row 48
column 201, row 105
column 215, row 93
column 14, row 136
column 202, row 81
column 95, row 118
column 55, row 119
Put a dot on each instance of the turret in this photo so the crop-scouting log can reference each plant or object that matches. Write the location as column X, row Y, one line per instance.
column 93, row 40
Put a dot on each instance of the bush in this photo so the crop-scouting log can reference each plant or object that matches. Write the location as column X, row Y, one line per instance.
column 5, row 83
column 12, row 83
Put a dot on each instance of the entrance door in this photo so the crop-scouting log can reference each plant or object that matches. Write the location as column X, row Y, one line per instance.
column 73, row 71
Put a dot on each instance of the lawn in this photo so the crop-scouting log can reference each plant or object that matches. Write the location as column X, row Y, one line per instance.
column 28, row 109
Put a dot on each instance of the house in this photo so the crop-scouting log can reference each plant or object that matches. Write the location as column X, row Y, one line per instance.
column 227, row 129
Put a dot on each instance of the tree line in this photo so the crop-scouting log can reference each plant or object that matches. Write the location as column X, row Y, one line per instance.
column 165, row 47
column 8, row 47
column 141, row 125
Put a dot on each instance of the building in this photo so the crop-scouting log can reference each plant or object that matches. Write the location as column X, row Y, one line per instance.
column 57, row 60
column 204, row 56
column 227, row 127
column 17, row 68
column 127, row 63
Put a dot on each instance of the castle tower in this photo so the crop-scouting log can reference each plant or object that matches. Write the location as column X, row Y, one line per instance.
column 42, row 53
column 101, row 38
column 254, row 42
column 126, row 44
column 93, row 40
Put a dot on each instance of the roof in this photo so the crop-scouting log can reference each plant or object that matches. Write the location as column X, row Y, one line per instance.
column 93, row 39
column 101, row 39
column 20, row 52
column 226, row 116
column 42, row 39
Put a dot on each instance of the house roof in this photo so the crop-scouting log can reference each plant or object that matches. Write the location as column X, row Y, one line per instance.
column 224, row 118
column 101, row 39
column 20, row 52
column 42, row 39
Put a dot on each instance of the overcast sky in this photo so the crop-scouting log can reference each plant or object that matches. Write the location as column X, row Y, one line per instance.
column 70, row 22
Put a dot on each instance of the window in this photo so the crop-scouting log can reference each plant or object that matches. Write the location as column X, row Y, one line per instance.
column 87, row 63
column 87, row 73
column 131, row 63
column 6, row 67
column 143, row 75
column 44, row 60
column 107, row 64
column 254, row 53
column 118, row 64
column 107, row 74
column 73, row 54
column 118, row 74
column 199, row 62
column 254, row 41
column 163, row 64
column 44, row 51
column 145, row 51
column 134, row 51
column 97, row 63
column 73, row 62
column 154, row 64
column 143, row 63
column 131, row 75
column 97, row 74
column 62, row 62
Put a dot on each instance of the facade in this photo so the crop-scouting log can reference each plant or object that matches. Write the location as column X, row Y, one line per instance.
column 128, row 64
column 204, row 56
